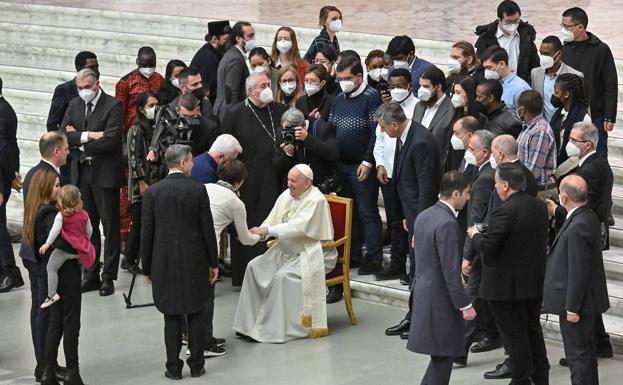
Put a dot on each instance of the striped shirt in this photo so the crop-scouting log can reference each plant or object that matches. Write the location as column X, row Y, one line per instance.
column 319, row 43
column 537, row 150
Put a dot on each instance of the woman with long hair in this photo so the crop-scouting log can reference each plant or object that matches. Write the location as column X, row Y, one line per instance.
column 289, row 88
column 285, row 51
column 261, row 63
column 170, row 88
column 330, row 19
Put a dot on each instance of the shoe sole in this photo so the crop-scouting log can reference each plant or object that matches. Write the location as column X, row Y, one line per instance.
column 209, row 354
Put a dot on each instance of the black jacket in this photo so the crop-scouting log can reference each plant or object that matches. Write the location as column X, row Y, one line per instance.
column 167, row 92
column 514, row 249
column 528, row 54
column 323, row 101
column 206, row 61
column 503, row 121
column 63, row 94
column 9, row 151
column 480, row 196
column 594, row 59
column 575, row 280
column 319, row 151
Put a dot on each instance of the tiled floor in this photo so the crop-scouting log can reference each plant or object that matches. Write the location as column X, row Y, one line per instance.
column 448, row 20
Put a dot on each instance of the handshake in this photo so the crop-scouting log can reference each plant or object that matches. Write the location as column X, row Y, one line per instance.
column 261, row 231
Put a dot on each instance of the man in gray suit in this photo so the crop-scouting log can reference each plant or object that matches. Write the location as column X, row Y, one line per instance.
column 232, row 70
column 435, row 110
column 575, row 282
column 544, row 77
column 438, row 296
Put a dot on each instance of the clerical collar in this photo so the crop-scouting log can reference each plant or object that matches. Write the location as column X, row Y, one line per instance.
column 454, row 211
column 56, row 168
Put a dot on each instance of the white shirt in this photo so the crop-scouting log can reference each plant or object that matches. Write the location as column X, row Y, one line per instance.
column 454, row 211
column 585, row 157
column 511, row 44
column 358, row 91
column 430, row 112
column 571, row 211
column 385, row 147
column 84, row 137
column 57, row 169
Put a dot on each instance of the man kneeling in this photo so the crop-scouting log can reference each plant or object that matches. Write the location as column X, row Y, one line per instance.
column 283, row 292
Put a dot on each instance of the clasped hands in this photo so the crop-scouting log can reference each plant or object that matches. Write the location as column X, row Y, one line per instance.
column 261, row 231
column 92, row 135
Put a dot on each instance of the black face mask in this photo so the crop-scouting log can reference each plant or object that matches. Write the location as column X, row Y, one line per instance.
column 199, row 93
column 556, row 102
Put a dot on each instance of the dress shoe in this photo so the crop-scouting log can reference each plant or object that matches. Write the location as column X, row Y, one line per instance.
column 392, row 272
column 108, row 287
column 396, row 330
column 405, row 279
column 60, row 372
column 134, row 270
column 501, row 372
column 370, row 267
column 335, row 294
column 173, row 376
column 198, row 373
column 485, row 345
column 48, row 377
column 90, row 284
column 563, row 362
column 10, row 283
column 460, row 361
column 72, row 377
column 404, row 335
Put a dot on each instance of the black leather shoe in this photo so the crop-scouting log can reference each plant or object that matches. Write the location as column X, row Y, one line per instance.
column 396, row 330
column 370, row 268
column 60, row 372
column 173, row 376
column 404, row 335
column 405, row 279
column 72, row 377
column 335, row 294
column 499, row 373
column 563, row 362
column 485, row 345
column 460, row 361
column 90, row 284
column 198, row 373
column 10, row 283
column 108, row 287
column 48, row 377
column 392, row 272
column 220, row 342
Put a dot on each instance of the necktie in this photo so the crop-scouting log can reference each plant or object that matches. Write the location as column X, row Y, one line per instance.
column 88, row 116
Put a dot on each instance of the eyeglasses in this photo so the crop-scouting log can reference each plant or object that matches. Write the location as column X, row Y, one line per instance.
column 577, row 140
column 565, row 26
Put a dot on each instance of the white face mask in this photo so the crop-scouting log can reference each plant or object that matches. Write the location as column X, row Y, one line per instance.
column 424, row 94
column 572, row 149
column 150, row 113
column 399, row 94
column 284, row 46
column 401, row 64
column 470, row 158
column 249, row 45
column 260, row 70
column 147, row 72
column 175, row 83
column 454, row 66
column 567, row 36
column 457, row 101
column 457, row 143
column 266, row 96
column 493, row 162
column 311, row 89
column 335, row 25
column 288, row 87
column 510, row 28
column 546, row 61
column 378, row 74
column 347, row 86
column 492, row 75
column 87, row 95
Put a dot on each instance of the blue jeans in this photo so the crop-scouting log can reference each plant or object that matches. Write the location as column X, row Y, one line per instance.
column 602, row 145
column 367, row 221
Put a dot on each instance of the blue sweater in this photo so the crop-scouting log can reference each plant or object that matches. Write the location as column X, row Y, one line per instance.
column 355, row 125
column 204, row 169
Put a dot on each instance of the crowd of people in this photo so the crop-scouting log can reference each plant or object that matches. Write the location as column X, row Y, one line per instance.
column 494, row 177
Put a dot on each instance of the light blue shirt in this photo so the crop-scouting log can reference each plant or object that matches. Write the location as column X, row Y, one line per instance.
column 513, row 86
column 548, row 91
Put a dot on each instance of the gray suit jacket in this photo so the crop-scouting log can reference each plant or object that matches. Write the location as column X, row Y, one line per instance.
column 437, row 326
column 440, row 126
column 231, row 76
column 537, row 76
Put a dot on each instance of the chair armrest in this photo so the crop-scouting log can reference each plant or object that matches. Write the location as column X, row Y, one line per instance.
column 333, row 244
column 271, row 243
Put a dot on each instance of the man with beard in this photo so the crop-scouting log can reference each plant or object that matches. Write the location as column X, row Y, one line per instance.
column 208, row 57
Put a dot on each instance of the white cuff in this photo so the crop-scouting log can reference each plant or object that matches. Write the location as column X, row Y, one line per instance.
column 367, row 164
column 84, row 137
column 272, row 231
column 572, row 313
column 466, row 307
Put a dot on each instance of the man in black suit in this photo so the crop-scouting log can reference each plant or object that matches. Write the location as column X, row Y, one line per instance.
column 513, row 250
column 206, row 60
column 417, row 172
column 597, row 173
column 93, row 124
column 10, row 276
column 575, row 281
column 181, row 261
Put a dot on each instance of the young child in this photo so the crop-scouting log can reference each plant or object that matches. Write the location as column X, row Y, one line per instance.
column 73, row 224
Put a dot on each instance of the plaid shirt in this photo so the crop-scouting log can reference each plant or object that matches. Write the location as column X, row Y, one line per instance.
column 537, row 150
column 319, row 43
column 129, row 87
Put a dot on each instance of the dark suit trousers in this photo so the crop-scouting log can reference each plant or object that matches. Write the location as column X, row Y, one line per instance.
column 399, row 243
column 133, row 241
column 580, row 349
column 173, row 341
column 39, row 318
column 438, row 371
column 602, row 338
column 7, row 257
column 102, row 204
column 519, row 324
column 481, row 326
column 65, row 316
column 208, row 330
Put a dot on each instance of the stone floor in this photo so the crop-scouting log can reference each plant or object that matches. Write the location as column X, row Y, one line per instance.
column 119, row 346
column 448, row 20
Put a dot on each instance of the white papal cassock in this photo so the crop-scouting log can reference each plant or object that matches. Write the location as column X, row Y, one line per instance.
column 283, row 295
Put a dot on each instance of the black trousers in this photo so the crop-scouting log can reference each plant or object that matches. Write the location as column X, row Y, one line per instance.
column 483, row 326
column 8, row 267
column 208, row 329
column 133, row 241
column 580, row 349
column 102, row 204
column 520, row 327
column 399, row 242
column 173, row 341
column 602, row 338
column 65, row 316
column 438, row 371
column 39, row 318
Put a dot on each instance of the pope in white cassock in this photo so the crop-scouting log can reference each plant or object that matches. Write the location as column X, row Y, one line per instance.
column 283, row 295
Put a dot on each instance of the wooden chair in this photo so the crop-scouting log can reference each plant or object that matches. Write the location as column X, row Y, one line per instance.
column 342, row 218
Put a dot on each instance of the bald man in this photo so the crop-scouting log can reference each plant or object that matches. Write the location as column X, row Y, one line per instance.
column 283, row 292
column 575, row 282
column 504, row 150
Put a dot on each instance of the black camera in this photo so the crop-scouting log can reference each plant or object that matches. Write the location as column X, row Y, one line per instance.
column 289, row 136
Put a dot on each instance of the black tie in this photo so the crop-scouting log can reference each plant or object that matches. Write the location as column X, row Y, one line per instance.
column 89, row 113
column 399, row 145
